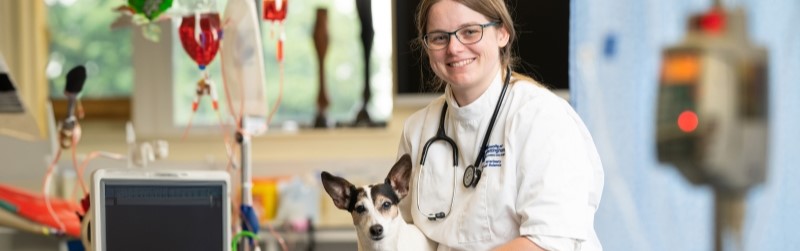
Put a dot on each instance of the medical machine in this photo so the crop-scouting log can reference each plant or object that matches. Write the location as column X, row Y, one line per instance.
column 712, row 104
column 712, row 107
column 139, row 209
column 16, row 118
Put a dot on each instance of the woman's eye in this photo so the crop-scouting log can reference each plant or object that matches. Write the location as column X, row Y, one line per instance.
column 438, row 38
column 360, row 209
column 386, row 205
column 471, row 31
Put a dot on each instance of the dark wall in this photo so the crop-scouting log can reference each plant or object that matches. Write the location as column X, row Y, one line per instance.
column 543, row 43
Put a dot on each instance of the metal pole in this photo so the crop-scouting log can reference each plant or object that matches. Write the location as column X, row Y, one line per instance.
column 247, row 172
column 244, row 140
column 729, row 208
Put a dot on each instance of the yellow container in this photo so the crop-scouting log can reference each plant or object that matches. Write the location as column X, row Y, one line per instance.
column 265, row 198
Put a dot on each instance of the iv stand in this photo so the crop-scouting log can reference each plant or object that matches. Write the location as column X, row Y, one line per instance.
column 250, row 126
column 246, row 169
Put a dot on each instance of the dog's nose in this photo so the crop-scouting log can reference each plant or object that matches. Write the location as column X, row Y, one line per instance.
column 376, row 230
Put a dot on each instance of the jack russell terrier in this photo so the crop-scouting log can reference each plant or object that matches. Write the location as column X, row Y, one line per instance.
column 379, row 223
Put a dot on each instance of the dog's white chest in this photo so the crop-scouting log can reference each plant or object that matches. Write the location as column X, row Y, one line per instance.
column 411, row 238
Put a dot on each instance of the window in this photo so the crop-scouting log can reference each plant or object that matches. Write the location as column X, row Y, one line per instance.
column 160, row 78
column 343, row 67
column 80, row 33
column 542, row 44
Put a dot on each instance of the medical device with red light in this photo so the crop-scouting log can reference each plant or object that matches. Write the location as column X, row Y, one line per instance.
column 711, row 115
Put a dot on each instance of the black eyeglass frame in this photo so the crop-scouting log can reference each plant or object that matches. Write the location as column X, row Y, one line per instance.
column 455, row 33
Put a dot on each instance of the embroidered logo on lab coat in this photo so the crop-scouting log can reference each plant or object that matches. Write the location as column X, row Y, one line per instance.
column 494, row 154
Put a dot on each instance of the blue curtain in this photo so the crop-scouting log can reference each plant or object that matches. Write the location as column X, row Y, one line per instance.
column 615, row 49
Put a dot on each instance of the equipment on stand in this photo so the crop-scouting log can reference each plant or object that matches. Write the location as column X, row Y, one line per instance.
column 712, row 112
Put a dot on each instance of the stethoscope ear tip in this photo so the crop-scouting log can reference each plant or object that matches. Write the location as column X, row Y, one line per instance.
column 434, row 217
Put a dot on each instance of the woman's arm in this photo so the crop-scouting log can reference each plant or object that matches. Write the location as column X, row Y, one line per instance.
column 519, row 243
column 558, row 181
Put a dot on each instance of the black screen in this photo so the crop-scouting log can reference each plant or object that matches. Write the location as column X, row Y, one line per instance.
column 164, row 217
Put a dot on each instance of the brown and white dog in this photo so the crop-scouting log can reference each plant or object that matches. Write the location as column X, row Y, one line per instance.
column 379, row 223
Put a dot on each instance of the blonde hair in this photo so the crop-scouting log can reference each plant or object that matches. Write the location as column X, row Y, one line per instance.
column 495, row 10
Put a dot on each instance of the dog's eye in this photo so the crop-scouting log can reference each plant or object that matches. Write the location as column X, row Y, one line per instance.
column 386, row 205
column 360, row 209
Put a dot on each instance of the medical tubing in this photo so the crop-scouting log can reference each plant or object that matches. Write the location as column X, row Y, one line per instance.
column 243, row 233
column 189, row 125
column 280, row 94
column 79, row 109
column 45, row 185
column 75, row 163
column 440, row 135
column 272, row 231
column 226, row 139
column 92, row 156
column 442, row 214
column 85, row 163
column 278, row 237
column 238, row 119
column 48, row 178
column 212, row 93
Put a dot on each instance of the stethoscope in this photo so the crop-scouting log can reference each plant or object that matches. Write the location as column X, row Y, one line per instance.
column 472, row 175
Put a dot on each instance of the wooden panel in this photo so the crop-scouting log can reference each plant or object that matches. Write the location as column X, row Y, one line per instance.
column 110, row 108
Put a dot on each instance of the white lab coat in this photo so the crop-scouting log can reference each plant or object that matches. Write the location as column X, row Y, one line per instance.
column 543, row 181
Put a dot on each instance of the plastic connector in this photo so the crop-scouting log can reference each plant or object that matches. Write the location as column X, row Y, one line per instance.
column 130, row 134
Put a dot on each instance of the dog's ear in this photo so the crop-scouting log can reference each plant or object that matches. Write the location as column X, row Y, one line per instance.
column 338, row 188
column 400, row 176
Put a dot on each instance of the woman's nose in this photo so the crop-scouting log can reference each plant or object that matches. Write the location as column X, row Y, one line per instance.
column 454, row 44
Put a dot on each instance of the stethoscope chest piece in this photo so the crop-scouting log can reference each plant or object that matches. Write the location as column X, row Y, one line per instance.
column 472, row 175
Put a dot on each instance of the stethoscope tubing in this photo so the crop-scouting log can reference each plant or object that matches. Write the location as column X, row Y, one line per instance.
column 441, row 135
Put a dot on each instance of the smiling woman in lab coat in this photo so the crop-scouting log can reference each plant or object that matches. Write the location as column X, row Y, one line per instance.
column 539, row 180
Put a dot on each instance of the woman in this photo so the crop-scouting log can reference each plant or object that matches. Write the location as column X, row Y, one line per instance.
column 538, row 182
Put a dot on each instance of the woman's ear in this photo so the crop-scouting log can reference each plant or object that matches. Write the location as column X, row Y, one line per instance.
column 502, row 36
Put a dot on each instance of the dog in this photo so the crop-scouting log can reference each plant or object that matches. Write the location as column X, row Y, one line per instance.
column 376, row 216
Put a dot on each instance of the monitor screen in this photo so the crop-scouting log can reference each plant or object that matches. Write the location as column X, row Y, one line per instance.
column 163, row 215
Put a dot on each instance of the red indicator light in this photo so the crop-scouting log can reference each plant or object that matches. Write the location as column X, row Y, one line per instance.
column 687, row 121
column 713, row 22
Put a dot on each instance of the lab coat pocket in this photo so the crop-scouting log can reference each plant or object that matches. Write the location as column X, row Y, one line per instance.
column 474, row 221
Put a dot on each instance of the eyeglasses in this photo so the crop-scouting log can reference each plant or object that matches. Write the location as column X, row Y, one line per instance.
column 467, row 35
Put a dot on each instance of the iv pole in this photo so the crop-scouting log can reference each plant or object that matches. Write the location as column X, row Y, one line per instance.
column 248, row 217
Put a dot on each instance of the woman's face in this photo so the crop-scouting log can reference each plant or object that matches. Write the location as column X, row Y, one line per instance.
column 465, row 67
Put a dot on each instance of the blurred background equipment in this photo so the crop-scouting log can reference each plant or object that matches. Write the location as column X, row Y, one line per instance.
column 141, row 209
column 69, row 131
column 616, row 59
column 15, row 120
column 711, row 120
column 243, row 66
column 9, row 100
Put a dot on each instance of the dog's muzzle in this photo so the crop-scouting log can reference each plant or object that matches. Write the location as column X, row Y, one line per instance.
column 376, row 232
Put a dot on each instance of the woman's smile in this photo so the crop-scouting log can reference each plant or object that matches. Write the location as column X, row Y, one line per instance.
column 461, row 63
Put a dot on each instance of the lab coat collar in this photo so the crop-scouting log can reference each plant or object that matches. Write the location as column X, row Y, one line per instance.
column 480, row 108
